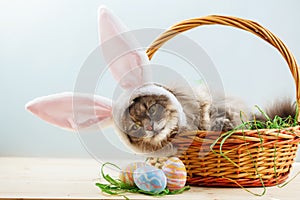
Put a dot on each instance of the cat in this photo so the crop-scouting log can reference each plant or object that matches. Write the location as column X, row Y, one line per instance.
column 153, row 119
column 148, row 115
column 157, row 114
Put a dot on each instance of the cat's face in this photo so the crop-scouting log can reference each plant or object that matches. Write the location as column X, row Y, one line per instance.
column 150, row 122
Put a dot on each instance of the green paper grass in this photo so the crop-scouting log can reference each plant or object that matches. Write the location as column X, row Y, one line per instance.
column 117, row 187
column 276, row 123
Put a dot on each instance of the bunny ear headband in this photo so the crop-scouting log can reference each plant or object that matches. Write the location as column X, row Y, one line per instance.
column 94, row 110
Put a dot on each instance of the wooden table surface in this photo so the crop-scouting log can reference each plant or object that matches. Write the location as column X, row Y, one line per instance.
column 52, row 178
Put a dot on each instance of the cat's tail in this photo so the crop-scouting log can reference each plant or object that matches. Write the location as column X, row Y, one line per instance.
column 282, row 108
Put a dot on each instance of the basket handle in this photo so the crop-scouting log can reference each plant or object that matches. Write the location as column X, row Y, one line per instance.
column 244, row 24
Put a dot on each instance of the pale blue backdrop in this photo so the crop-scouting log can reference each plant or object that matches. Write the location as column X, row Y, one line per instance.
column 44, row 43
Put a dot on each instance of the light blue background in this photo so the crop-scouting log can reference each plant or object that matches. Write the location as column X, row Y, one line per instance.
column 44, row 43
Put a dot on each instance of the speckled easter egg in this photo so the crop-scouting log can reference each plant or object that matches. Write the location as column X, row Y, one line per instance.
column 126, row 174
column 150, row 179
column 175, row 172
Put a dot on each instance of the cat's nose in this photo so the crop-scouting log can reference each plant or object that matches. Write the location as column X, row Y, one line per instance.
column 149, row 127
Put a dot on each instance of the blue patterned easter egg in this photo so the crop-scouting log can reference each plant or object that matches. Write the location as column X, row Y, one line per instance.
column 126, row 174
column 150, row 179
column 175, row 172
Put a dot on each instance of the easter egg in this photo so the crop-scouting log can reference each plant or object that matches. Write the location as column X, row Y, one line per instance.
column 150, row 179
column 175, row 172
column 126, row 174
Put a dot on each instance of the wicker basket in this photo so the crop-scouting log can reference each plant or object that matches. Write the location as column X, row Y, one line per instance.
column 258, row 158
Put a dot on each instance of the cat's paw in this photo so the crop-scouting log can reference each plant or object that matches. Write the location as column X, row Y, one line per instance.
column 157, row 162
column 221, row 124
column 166, row 151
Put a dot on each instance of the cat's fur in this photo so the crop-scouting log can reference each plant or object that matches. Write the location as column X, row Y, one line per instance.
column 282, row 107
column 197, row 108
column 181, row 110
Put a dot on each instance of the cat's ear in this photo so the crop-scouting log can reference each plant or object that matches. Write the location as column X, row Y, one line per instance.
column 120, row 41
column 73, row 111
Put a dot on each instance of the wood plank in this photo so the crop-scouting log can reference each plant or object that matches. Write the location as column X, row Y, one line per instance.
column 52, row 178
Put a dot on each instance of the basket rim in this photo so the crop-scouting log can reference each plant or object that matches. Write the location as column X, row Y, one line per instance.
column 240, row 23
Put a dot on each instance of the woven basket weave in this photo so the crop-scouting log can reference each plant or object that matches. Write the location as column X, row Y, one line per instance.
column 254, row 158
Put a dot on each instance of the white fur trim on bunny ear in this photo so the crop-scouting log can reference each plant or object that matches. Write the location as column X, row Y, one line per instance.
column 72, row 111
column 121, row 51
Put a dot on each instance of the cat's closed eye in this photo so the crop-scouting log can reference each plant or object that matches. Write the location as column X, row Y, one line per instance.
column 156, row 112
column 152, row 110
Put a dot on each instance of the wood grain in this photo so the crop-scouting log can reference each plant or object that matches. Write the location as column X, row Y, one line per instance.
column 52, row 178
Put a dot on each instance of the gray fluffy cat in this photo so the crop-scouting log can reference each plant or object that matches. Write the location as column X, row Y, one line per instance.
column 156, row 114
column 148, row 115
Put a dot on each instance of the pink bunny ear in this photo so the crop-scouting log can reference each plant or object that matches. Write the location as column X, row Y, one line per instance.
column 72, row 112
column 110, row 27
